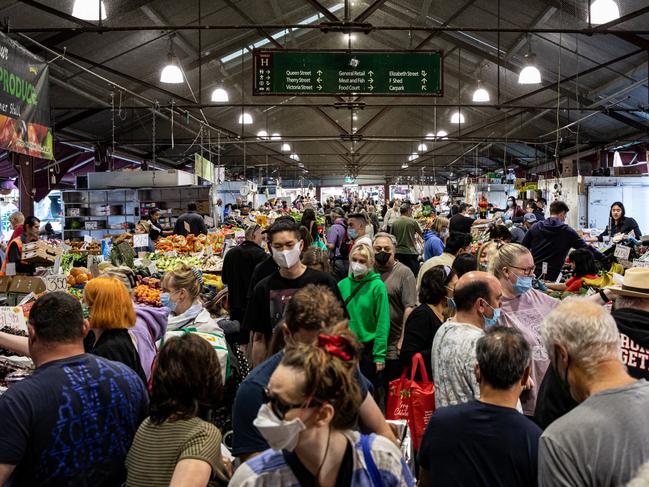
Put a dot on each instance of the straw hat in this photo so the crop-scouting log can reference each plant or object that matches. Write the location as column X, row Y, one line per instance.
column 635, row 283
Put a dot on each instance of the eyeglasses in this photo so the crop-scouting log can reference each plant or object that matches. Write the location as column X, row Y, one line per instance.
column 280, row 408
column 527, row 271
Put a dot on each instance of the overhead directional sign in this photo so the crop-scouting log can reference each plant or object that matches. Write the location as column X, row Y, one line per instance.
column 381, row 73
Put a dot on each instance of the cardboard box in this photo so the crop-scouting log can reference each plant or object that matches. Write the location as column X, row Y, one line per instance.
column 631, row 170
column 5, row 281
column 569, row 169
column 41, row 253
column 21, row 286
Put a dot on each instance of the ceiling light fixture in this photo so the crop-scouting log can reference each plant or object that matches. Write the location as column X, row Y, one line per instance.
column 480, row 95
column 430, row 136
column 245, row 119
column 442, row 134
column 275, row 136
column 88, row 10
column 349, row 37
column 404, row 166
column 457, row 117
column 603, row 12
column 530, row 74
column 295, row 157
column 422, row 147
column 286, row 147
column 219, row 95
column 413, row 156
column 171, row 73
column 262, row 134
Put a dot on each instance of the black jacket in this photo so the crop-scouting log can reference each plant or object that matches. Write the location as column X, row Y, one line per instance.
column 195, row 222
column 116, row 345
column 550, row 241
column 633, row 325
column 625, row 225
column 238, row 266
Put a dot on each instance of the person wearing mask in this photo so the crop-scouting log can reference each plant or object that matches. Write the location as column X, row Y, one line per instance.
column 176, row 445
column 464, row 263
column 406, row 229
column 477, row 298
column 532, row 208
column 584, row 446
column 513, row 210
column 238, row 265
column 17, row 222
column 434, row 240
column 14, row 253
column 269, row 298
column 401, row 287
column 73, row 420
column 338, row 244
column 541, row 203
column 310, row 310
column 436, row 298
column 461, row 222
column 583, row 267
column 456, row 244
column 550, row 241
column 523, row 308
column 366, row 300
column 308, row 221
column 619, row 223
column 311, row 407
column 486, row 442
column 518, row 230
column 190, row 222
column 356, row 229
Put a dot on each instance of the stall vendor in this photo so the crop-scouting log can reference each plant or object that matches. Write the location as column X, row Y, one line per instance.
column 30, row 233
column 155, row 228
column 620, row 223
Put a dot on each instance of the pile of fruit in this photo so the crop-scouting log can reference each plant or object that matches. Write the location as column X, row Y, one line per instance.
column 148, row 291
column 192, row 244
column 213, row 281
column 165, row 264
column 213, row 263
column 79, row 276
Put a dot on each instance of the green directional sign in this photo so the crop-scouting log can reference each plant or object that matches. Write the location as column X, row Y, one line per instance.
column 381, row 73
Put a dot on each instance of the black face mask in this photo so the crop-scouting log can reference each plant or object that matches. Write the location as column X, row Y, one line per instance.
column 382, row 258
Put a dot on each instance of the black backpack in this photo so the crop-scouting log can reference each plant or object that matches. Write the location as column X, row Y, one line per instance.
column 345, row 243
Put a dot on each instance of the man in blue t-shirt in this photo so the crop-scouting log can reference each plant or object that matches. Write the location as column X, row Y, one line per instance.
column 72, row 422
column 310, row 310
column 486, row 442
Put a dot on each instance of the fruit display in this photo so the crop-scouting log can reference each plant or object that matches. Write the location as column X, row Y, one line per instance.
column 212, row 263
column 11, row 331
column 182, row 245
column 165, row 264
column 148, row 291
column 79, row 276
column 213, row 280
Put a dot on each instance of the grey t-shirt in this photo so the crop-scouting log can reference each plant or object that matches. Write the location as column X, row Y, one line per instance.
column 601, row 442
column 402, row 293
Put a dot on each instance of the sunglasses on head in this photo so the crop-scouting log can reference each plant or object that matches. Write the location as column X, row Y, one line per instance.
column 280, row 408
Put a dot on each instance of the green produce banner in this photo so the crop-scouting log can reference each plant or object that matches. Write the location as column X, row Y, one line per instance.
column 24, row 101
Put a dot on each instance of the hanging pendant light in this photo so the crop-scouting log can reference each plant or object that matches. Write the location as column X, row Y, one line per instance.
column 245, row 119
column 603, row 12
column 286, row 147
column 88, row 10
column 171, row 73
column 422, row 147
column 457, row 117
column 530, row 74
column 276, row 136
column 219, row 95
column 442, row 134
column 430, row 136
column 295, row 157
column 262, row 134
column 404, row 166
column 480, row 95
column 413, row 156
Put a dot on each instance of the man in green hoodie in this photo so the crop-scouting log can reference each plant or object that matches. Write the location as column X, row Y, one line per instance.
column 367, row 304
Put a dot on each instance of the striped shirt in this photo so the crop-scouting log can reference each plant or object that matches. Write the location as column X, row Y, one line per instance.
column 270, row 468
column 157, row 449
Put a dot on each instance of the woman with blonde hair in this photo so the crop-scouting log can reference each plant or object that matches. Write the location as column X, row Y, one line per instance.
column 111, row 315
column 436, row 237
column 366, row 300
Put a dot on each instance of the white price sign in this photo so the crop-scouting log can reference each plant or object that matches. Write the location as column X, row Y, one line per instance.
column 56, row 283
column 87, row 239
column 640, row 263
column 622, row 252
column 12, row 317
column 140, row 240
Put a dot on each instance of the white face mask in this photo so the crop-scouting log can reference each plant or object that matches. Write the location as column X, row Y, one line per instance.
column 357, row 269
column 445, row 233
column 287, row 258
column 279, row 434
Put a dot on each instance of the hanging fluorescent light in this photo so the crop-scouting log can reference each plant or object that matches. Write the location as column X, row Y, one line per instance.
column 441, row 134
column 262, row 134
column 530, row 74
column 286, row 147
column 422, row 148
column 603, row 11
column 354, row 117
column 245, row 119
column 349, row 37
column 88, row 10
column 219, row 95
column 413, row 156
column 295, row 157
column 404, row 166
column 430, row 136
column 275, row 136
column 457, row 117
column 171, row 73
column 480, row 95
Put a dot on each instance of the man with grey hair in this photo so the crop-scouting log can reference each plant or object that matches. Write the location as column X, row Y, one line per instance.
column 486, row 441
column 402, row 295
column 603, row 441
column 17, row 222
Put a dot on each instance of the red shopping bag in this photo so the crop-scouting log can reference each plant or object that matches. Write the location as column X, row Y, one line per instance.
column 411, row 400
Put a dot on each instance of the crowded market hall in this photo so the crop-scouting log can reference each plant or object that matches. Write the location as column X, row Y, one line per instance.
column 324, row 243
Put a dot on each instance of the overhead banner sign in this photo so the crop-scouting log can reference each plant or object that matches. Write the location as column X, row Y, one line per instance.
column 342, row 72
column 203, row 168
column 24, row 101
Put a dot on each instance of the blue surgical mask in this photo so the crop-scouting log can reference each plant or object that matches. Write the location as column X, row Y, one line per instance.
column 353, row 233
column 165, row 300
column 489, row 322
column 523, row 284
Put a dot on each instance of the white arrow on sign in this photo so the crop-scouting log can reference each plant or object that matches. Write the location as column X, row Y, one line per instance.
column 424, row 80
column 424, row 73
column 423, row 88
column 319, row 87
column 371, row 80
column 319, row 72
column 319, row 80
column 370, row 87
column 371, row 73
